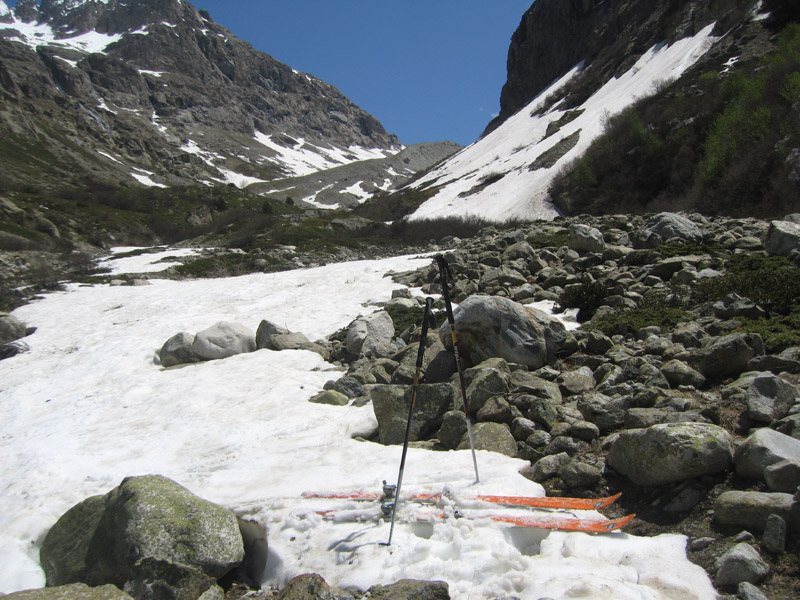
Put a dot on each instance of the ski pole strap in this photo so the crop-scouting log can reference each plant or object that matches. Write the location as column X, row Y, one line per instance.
column 446, row 278
column 427, row 318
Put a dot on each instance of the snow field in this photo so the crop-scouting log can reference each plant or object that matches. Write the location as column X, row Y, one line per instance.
column 87, row 407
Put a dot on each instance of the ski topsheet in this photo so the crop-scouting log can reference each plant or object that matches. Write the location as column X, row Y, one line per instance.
column 521, row 501
column 540, row 521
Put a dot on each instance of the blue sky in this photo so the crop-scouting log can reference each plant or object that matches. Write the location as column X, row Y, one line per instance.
column 429, row 70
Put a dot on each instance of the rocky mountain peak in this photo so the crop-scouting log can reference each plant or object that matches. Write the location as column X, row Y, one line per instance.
column 112, row 16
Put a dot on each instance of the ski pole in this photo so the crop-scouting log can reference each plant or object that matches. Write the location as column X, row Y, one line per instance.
column 427, row 318
column 445, row 276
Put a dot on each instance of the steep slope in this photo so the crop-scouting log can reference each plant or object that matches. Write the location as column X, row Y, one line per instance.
column 572, row 67
column 155, row 91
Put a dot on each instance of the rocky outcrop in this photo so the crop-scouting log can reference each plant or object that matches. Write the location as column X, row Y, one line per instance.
column 149, row 531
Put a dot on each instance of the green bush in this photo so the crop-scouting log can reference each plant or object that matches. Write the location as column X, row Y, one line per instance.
column 586, row 297
column 658, row 311
column 779, row 332
column 771, row 282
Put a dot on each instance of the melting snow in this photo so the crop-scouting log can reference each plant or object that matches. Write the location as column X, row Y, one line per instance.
column 305, row 158
column 143, row 177
column 237, row 179
column 108, row 156
column 86, row 407
column 357, row 191
column 35, row 35
column 150, row 262
column 519, row 141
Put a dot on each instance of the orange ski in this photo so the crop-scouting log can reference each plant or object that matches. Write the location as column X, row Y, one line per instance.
column 522, row 501
column 545, row 521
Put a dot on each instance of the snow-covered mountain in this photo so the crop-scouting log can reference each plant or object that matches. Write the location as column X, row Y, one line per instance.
column 156, row 92
column 506, row 174
column 572, row 66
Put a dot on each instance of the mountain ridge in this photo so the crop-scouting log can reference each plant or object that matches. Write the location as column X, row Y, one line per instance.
column 199, row 99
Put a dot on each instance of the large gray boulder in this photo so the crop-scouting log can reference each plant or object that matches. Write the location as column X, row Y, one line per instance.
column 742, row 563
column 270, row 336
column 666, row 226
column 222, row 340
column 671, row 452
column 726, row 356
column 750, row 510
column 769, row 398
column 678, row 373
column 178, row 350
column 493, row 326
column 783, row 237
column 410, row 589
column 762, row 449
column 583, row 238
column 391, row 404
column 494, row 437
column 370, row 335
column 607, row 413
column 100, row 540
column 11, row 328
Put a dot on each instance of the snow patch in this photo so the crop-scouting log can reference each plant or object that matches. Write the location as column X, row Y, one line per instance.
column 356, row 190
column 143, row 177
column 35, row 35
column 304, row 158
column 237, row 179
column 151, row 262
column 108, row 156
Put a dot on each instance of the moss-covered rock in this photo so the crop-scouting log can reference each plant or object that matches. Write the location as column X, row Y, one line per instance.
column 100, row 540
column 671, row 452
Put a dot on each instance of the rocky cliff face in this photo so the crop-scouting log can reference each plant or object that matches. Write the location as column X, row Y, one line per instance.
column 605, row 36
column 155, row 91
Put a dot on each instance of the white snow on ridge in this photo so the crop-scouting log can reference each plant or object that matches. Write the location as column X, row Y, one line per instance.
column 144, row 263
column 305, row 158
column 143, row 177
column 86, row 407
column 35, row 35
column 519, row 141
column 4, row 10
column 237, row 179
column 356, row 190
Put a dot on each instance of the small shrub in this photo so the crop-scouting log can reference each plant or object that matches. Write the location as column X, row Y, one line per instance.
column 779, row 332
column 549, row 240
column 404, row 317
column 771, row 282
column 586, row 297
column 655, row 311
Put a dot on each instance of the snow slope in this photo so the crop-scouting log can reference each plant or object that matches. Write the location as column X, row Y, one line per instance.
column 513, row 147
column 87, row 406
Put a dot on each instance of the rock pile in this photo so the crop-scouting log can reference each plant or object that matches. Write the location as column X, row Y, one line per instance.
column 694, row 411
